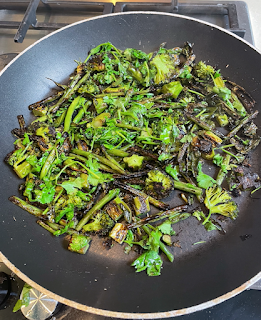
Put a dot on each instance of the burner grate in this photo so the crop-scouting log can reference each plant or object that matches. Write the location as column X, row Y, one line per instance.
column 34, row 19
column 226, row 13
column 30, row 17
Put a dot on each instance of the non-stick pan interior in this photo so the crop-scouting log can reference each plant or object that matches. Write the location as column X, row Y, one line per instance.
column 104, row 279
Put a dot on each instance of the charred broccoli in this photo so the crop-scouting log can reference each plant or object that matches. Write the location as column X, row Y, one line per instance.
column 165, row 67
column 203, row 71
column 158, row 184
column 219, row 201
column 102, row 224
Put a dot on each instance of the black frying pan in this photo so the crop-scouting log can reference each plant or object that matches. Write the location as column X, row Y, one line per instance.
column 103, row 281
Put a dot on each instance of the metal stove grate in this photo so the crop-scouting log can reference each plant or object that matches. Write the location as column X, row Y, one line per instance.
column 30, row 17
column 231, row 15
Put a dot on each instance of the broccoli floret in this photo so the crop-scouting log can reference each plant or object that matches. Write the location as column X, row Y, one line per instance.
column 89, row 87
column 165, row 67
column 219, row 201
column 203, row 71
column 77, row 201
column 13, row 157
column 134, row 162
column 101, row 224
column 158, row 184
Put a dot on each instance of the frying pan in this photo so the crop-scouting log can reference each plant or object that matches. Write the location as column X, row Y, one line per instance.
column 102, row 281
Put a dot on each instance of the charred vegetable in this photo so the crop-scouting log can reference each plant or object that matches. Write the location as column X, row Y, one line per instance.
column 101, row 223
column 128, row 129
column 158, row 184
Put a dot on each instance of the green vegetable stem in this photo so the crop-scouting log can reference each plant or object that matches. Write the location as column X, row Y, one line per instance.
column 108, row 197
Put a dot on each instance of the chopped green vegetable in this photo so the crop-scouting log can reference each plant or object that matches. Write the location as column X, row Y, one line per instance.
column 158, row 184
column 25, row 295
column 128, row 129
column 219, row 201
column 204, row 180
column 134, row 162
column 101, row 222
column 79, row 243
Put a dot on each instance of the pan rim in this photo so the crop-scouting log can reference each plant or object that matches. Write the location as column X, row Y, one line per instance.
column 127, row 315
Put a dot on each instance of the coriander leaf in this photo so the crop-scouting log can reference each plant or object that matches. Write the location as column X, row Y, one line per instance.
column 69, row 211
column 46, row 193
column 209, row 226
column 185, row 74
column 166, row 228
column 84, row 196
column 71, row 186
column 187, row 138
column 154, row 239
column 25, row 295
column 26, row 139
column 204, row 180
column 172, row 171
column 149, row 260
column 95, row 176
column 218, row 159
column 64, row 230
column 35, row 162
column 217, row 74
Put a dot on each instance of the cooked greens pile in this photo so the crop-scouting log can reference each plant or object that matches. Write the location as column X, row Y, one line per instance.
column 127, row 130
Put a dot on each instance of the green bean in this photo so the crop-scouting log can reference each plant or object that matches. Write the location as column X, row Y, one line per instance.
column 81, row 112
column 157, row 203
column 45, row 226
column 187, row 187
column 118, row 153
column 108, row 197
column 110, row 158
column 127, row 126
column 60, row 119
column 74, row 86
column 26, row 206
column 200, row 122
column 221, row 174
column 48, row 163
column 40, row 119
column 100, row 158
column 172, row 213
column 69, row 113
